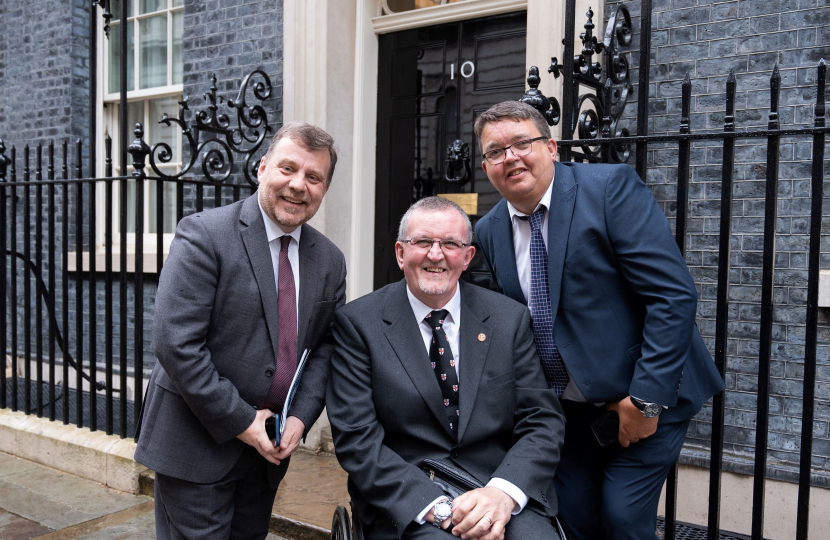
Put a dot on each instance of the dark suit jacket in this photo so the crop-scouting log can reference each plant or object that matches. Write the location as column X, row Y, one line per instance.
column 386, row 409
column 215, row 337
column 623, row 300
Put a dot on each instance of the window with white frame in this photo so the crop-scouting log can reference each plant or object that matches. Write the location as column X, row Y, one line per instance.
column 154, row 87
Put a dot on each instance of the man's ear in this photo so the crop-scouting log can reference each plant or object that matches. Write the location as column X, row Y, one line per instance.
column 399, row 254
column 552, row 148
column 469, row 258
column 262, row 166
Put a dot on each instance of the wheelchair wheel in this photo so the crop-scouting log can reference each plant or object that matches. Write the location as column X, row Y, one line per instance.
column 341, row 525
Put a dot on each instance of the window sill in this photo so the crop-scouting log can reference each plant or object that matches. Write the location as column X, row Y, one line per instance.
column 149, row 261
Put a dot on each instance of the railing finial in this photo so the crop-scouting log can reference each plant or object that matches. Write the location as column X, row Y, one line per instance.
column 139, row 150
column 4, row 161
column 775, row 93
column 549, row 107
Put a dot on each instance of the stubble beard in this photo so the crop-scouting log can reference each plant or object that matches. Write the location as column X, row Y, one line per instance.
column 433, row 288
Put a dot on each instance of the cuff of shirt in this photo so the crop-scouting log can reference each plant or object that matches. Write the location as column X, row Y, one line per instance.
column 515, row 493
column 419, row 519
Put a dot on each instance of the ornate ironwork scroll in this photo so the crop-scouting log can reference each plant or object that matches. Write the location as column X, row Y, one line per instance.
column 213, row 140
column 597, row 112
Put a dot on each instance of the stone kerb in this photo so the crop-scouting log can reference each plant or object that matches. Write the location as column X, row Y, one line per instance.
column 94, row 455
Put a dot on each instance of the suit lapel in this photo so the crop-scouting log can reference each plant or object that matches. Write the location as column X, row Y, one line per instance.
column 505, row 254
column 560, row 213
column 310, row 286
column 259, row 253
column 473, row 353
column 405, row 337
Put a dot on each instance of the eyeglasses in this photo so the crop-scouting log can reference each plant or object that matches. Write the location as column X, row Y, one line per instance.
column 425, row 244
column 521, row 148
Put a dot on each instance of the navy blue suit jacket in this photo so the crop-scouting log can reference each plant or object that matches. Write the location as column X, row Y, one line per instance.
column 622, row 298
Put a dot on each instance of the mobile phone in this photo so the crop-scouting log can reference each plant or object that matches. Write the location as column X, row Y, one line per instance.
column 271, row 429
column 606, row 428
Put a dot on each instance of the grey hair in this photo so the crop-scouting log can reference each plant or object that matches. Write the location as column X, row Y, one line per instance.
column 511, row 110
column 433, row 204
column 309, row 137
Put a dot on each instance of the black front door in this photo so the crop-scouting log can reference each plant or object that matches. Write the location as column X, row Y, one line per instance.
column 432, row 84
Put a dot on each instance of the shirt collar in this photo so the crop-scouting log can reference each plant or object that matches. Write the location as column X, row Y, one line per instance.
column 421, row 310
column 273, row 231
column 544, row 202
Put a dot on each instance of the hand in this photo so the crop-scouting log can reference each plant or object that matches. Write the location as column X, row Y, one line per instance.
column 469, row 511
column 255, row 436
column 633, row 425
column 290, row 439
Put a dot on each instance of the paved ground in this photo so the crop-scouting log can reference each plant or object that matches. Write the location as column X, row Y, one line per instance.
column 39, row 502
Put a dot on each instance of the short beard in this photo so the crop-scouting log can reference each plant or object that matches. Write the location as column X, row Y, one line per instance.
column 433, row 289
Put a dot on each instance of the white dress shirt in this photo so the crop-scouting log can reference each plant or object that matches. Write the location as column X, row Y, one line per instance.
column 274, row 234
column 521, row 245
column 451, row 326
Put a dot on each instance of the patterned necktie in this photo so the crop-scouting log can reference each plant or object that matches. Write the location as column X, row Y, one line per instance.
column 441, row 359
column 540, row 311
column 286, row 333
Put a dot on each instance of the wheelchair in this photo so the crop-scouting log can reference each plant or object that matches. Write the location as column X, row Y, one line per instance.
column 344, row 528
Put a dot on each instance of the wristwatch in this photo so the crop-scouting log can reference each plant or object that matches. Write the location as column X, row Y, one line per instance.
column 649, row 410
column 440, row 512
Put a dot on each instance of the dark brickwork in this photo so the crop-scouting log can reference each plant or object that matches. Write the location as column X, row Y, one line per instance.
column 707, row 38
column 44, row 67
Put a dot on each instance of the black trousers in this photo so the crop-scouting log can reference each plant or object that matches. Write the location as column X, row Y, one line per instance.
column 237, row 507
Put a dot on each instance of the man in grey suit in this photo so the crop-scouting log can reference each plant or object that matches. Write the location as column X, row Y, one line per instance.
column 431, row 367
column 246, row 289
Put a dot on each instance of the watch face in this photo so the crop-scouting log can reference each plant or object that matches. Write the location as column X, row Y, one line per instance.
column 443, row 510
column 652, row 409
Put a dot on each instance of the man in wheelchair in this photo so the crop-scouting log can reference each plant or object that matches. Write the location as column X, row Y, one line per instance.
column 439, row 407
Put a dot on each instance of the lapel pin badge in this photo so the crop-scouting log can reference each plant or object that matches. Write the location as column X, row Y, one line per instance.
column 482, row 337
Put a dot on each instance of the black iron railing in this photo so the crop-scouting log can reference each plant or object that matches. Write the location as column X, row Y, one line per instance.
column 44, row 221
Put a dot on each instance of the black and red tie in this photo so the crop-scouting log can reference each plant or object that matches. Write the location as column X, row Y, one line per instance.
column 443, row 364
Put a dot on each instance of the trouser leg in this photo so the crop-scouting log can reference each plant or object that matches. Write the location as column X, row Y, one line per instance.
column 580, row 473
column 236, row 507
column 634, row 477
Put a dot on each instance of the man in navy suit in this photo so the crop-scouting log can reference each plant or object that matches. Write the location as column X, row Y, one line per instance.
column 613, row 305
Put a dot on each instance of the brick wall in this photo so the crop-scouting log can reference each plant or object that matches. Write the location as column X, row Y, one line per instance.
column 707, row 38
column 43, row 71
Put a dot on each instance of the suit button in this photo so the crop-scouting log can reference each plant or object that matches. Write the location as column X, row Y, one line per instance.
column 269, row 373
column 454, row 454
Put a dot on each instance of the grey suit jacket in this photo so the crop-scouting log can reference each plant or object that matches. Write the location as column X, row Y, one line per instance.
column 215, row 337
column 386, row 409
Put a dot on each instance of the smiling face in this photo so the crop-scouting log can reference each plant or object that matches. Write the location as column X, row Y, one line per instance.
column 432, row 275
column 521, row 180
column 292, row 183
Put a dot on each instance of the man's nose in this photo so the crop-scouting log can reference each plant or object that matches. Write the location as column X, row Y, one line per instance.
column 509, row 155
column 435, row 252
column 297, row 182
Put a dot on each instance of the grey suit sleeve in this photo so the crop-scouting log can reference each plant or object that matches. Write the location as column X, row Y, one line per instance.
column 397, row 488
column 311, row 395
column 651, row 263
column 183, row 310
column 539, row 431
